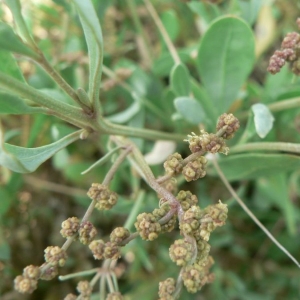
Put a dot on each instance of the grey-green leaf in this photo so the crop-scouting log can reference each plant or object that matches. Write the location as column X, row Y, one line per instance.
column 263, row 119
column 251, row 166
column 180, row 81
column 26, row 160
column 225, row 59
column 94, row 40
column 190, row 109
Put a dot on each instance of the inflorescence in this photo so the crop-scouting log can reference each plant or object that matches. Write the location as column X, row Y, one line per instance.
column 191, row 252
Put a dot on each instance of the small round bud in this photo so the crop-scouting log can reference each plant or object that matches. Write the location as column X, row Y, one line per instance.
column 97, row 248
column 111, row 251
column 203, row 249
column 105, row 198
column 32, row 272
column 187, row 199
column 170, row 185
column 173, row 164
column 84, row 288
column 87, row 232
column 24, row 284
column 232, row 123
column 119, row 234
column 190, row 221
column 194, row 277
column 69, row 227
column 114, row 296
column 49, row 272
column 194, row 142
column 213, row 144
column 291, row 41
column 70, row 297
column 55, row 256
column 218, row 212
column 195, row 169
column 277, row 61
column 147, row 226
column 166, row 288
column 181, row 252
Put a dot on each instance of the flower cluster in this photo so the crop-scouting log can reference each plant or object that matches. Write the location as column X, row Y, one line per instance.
column 27, row 282
column 104, row 197
column 289, row 52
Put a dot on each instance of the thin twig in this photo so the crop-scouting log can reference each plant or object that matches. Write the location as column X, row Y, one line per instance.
column 163, row 31
column 250, row 214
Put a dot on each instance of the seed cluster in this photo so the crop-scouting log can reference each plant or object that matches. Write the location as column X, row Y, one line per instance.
column 289, row 52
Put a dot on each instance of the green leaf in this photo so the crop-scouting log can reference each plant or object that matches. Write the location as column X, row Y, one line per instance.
column 250, row 9
column 102, row 160
column 15, row 7
column 26, row 160
column 275, row 187
column 10, row 104
column 180, row 81
column 251, row 166
column 9, row 66
column 94, row 40
column 171, row 23
column 190, row 109
column 125, row 115
column 263, row 119
column 225, row 59
column 9, row 41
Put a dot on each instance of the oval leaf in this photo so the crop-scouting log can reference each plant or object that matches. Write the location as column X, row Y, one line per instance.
column 251, row 166
column 225, row 59
column 26, row 160
column 180, row 81
column 263, row 119
column 190, row 109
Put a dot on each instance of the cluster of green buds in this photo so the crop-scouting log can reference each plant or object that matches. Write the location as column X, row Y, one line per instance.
column 105, row 198
column 112, row 248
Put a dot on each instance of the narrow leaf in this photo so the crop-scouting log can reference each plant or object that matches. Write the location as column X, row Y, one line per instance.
column 190, row 109
column 26, row 160
column 102, row 160
column 94, row 40
column 225, row 59
column 9, row 41
column 9, row 66
column 15, row 7
column 180, row 81
column 263, row 119
column 10, row 104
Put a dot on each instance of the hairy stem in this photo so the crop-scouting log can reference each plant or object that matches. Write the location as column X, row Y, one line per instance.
column 267, row 146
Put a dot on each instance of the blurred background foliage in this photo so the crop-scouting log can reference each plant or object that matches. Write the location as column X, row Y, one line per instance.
column 32, row 206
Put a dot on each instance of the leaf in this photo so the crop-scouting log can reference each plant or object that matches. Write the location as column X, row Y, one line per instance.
column 9, row 66
column 171, row 24
column 102, row 160
column 190, row 109
column 94, row 40
column 10, row 104
column 251, row 166
column 225, row 59
column 180, row 81
column 275, row 187
column 9, row 41
column 250, row 9
column 263, row 119
column 26, row 160
column 125, row 115
column 16, row 10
